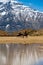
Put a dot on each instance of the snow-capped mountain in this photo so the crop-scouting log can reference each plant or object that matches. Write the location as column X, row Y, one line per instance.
column 15, row 16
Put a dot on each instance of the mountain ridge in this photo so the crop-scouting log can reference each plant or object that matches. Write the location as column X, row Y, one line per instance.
column 16, row 16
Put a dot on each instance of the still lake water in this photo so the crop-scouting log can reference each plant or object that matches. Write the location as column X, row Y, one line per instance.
column 19, row 54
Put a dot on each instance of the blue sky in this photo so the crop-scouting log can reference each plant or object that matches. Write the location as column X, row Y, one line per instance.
column 35, row 4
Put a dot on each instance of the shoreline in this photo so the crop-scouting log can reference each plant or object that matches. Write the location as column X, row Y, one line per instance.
column 21, row 40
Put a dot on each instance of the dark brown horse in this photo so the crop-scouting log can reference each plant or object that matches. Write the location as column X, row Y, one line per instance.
column 25, row 34
column 21, row 34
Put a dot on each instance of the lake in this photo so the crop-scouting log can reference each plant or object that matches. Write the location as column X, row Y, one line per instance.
column 20, row 54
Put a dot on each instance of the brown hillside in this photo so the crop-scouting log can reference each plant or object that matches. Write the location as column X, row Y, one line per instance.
column 25, row 32
column 3, row 33
column 29, row 32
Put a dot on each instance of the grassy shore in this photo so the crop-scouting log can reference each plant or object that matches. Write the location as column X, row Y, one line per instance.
column 21, row 40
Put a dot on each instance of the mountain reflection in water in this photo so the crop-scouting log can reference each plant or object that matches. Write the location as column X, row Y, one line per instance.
column 19, row 54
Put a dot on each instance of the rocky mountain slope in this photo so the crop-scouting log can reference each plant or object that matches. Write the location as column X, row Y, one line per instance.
column 16, row 16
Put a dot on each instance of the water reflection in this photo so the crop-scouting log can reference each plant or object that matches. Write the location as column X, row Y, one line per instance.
column 39, row 62
column 19, row 54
